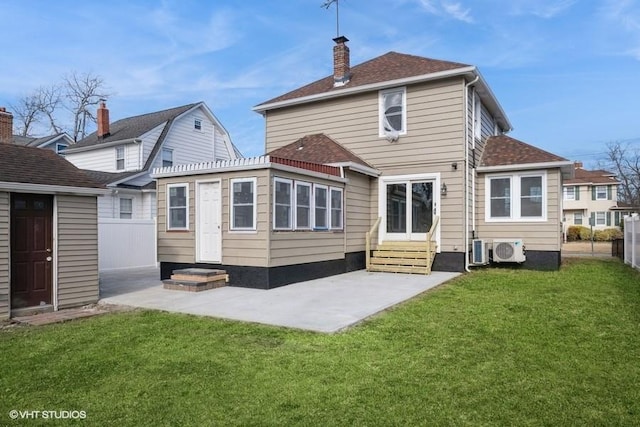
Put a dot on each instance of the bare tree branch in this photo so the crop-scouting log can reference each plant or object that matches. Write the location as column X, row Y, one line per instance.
column 26, row 113
column 624, row 160
column 83, row 92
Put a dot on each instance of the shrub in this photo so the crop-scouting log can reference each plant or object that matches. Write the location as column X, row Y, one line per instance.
column 585, row 233
column 607, row 235
column 573, row 233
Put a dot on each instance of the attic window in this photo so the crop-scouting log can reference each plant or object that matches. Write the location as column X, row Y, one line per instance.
column 167, row 157
column 392, row 111
column 197, row 124
column 120, row 158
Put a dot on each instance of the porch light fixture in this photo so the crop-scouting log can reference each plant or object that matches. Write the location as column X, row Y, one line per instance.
column 443, row 189
column 454, row 166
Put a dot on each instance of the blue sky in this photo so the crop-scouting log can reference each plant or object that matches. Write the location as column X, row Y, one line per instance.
column 565, row 71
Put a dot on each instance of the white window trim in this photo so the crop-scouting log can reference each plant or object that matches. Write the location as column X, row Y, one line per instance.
column 515, row 197
column 166, row 150
column 381, row 94
column 58, row 150
column 604, row 219
column 575, row 217
column 168, row 225
column 291, row 205
column 124, row 157
column 331, row 189
column 120, row 211
column 606, row 192
column 195, row 120
column 326, row 188
column 566, row 193
column 311, row 205
column 253, row 228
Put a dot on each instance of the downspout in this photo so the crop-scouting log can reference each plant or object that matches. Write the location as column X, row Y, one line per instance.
column 466, row 171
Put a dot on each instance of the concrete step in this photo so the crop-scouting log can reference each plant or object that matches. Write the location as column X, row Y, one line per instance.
column 193, row 286
column 198, row 274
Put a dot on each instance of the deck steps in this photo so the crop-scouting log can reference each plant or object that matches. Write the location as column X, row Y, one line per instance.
column 403, row 257
column 196, row 279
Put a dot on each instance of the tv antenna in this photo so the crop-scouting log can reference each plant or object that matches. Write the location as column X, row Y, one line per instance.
column 327, row 4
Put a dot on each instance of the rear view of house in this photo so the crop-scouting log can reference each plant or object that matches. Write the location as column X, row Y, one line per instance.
column 48, row 232
column 424, row 167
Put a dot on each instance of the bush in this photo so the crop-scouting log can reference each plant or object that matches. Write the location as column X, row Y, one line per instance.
column 573, row 233
column 585, row 233
column 607, row 235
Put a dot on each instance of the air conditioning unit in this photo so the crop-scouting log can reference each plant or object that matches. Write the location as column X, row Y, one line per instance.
column 479, row 252
column 508, row 250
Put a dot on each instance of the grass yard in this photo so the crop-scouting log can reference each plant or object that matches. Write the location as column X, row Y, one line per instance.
column 494, row 347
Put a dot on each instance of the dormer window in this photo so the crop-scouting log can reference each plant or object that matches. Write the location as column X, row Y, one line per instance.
column 392, row 110
column 197, row 125
column 167, row 157
column 60, row 148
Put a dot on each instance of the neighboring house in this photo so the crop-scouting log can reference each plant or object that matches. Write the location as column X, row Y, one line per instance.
column 413, row 144
column 592, row 195
column 121, row 154
column 48, row 232
column 57, row 143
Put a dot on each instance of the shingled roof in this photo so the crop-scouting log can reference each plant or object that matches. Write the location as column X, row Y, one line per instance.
column 29, row 165
column 317, row 148
column 583, row 176
column 28, row 141
column 388, row 67
column 134, row 127
column 502, row 150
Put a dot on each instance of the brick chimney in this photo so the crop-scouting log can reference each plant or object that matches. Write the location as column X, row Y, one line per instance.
column 341, row 67
column 6, row 126
column 103, row 120
column 577, row 165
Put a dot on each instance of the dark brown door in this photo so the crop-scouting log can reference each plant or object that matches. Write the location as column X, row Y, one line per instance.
column 31, row 249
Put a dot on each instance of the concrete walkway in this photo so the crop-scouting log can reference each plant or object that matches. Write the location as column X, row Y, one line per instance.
column 323, row 305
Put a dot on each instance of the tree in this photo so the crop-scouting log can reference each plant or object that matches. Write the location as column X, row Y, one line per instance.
column 624, row 160
column 83, row 92
column 79, row 93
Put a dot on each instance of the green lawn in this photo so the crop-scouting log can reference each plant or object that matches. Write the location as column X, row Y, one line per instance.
column 494, row 347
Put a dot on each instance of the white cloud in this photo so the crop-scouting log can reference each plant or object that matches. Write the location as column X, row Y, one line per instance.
column 449, row 9
column 541, row 8
column 622, row 24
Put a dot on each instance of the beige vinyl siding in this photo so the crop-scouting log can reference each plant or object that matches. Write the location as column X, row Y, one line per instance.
column 77, row 253
column 245, row 248
column 4, row 254
column 539, row 236
column 357, row 201
column 435, row 126
column 289, row 248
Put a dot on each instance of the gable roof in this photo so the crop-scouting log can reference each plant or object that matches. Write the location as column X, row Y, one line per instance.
column 28, row 141
column 390, row 66
column 133, row 127
column 28, row 165
column 502, row 150
column 317, row 148
column 583, row 176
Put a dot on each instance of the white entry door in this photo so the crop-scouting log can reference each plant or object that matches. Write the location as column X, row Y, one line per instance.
column 209, row 235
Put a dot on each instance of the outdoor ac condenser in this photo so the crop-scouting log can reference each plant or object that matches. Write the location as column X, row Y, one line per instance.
column 479, row 252
column 508, row 250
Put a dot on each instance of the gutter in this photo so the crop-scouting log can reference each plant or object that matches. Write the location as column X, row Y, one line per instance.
column 55, row 189
column 357, row 167
column 524, row 166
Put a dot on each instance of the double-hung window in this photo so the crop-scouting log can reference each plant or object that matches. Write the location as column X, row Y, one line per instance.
column 197, row 124
column 243, row 204
column 321, row 207
column 167, row 157
column 178, row 206
column 393, row 112
column 303, row 206
column 601, row 192
column 282, row 203
column 577, row 218
column 120, row 158
column 336, row 208
column 601, row 218
column 126, row 208
column 570, row 193
column 516, row 197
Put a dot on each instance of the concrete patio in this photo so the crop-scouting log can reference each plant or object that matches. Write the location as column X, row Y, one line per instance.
column 322, row 305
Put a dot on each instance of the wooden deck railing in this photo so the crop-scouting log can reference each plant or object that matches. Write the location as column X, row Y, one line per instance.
column 430, row 247
column 368, row 242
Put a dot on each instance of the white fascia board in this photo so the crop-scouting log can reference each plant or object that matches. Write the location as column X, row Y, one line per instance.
column 524, row 166
column 52, row 189
column 488, row 95
column 71, row 150
column 235, row 168
column 366, row 88
column 138, row 175
column 357, row 167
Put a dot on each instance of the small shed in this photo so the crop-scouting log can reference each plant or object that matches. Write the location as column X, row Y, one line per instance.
column 48, row 232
